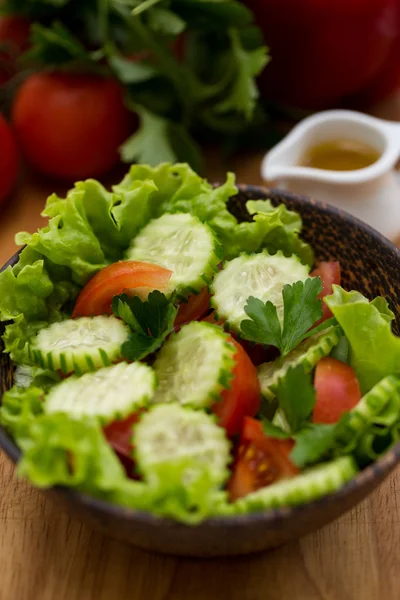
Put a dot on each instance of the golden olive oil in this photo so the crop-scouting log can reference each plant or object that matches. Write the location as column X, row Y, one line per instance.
column 340, row 155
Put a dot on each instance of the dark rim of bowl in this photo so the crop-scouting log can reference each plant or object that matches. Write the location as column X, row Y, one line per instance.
column 378, row 468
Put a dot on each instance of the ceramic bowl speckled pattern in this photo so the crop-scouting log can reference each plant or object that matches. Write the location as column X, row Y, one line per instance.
column 370, row 264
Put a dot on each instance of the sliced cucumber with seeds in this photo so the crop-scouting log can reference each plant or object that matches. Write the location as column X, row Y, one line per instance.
column 110, row 393
column 194, row 366
column 189, row 441
column 381, row 405
column 307, row 353
column 183, row 244
column 79, row 345
column 260, row 275
column 310, row 485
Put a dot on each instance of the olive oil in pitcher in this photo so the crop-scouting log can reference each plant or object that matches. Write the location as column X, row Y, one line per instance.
column 340, row 155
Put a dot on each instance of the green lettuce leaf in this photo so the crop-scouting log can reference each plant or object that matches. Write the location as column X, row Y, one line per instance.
column 169, row 498
column 61, row 451
column 112, row 218
column 25, row 292
column 182, row 492
column 33, row 293
column 68, row 239
column 173, row 182
column 16, row 336
column 278, row 229
column 180, row 189
column 20, row 406
column 91, row 227
column 374, row 348
column 58, row 450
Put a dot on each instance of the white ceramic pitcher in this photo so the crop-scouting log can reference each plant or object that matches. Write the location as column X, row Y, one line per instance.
column 372, row 194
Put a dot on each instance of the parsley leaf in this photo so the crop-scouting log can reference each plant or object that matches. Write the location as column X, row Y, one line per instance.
column 263, row 327
column 301, row 309
column 151, row 321
column 56, row 45
column 128, row 71
column 313, row 444
column 248, row 63
column 195, row 86
column 273, row 430
column 296, row 396
column 159, row 140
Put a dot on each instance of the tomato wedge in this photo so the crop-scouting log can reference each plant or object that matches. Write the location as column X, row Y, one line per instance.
column 119, row 436
column 192, row 310
column 212, row 318
column 260, row 461
column 129, row 275
column 329, row 272
column 337, row 390
column 244, row 396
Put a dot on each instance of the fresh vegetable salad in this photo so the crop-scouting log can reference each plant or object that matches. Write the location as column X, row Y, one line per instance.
column 174, row 360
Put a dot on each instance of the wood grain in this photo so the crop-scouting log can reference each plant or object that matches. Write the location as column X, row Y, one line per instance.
column 44, row 555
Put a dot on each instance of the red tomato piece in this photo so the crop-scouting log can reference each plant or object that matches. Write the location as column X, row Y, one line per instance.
column 126, row 275
column 242, row 398
column 329, row 272
column 119, row 436
column 212, row 318
column 9, row 159
column 192, row 310
column 260, row 461
column 70, row 125
column 337, row 390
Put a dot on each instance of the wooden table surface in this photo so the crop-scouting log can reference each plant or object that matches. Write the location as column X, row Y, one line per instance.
column 44, row 555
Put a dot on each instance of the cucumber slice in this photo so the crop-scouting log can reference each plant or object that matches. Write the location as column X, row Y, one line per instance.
column 194, row 366
column 183, row 244
column 79, row 345
column 381, row 405
column 108, row 394
column 189, row 440
column 375, row 442
column 260, row 275
column 307, row 353
column 310, row 485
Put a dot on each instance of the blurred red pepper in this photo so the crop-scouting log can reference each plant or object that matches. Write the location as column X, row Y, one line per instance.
column 324, row 53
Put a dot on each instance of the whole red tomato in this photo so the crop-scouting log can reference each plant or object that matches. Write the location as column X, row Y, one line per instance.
column 70, row 125
column 325, row 52
column 9, row 159
column 14, row 39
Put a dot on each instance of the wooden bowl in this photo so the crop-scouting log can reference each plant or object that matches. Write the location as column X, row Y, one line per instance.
column 370, row 264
